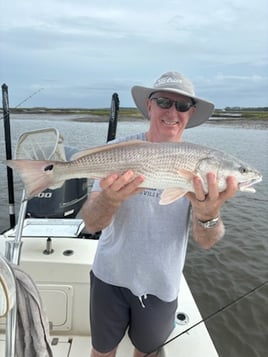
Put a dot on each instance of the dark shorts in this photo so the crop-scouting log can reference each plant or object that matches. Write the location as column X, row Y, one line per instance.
column 113, row 310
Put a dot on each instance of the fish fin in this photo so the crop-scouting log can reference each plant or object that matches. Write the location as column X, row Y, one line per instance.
column 97, row 149
column 186, row 174
column 170, row 195
column 36, row 175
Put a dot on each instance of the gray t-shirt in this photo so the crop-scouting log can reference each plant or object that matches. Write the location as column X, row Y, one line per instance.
column 144, row 247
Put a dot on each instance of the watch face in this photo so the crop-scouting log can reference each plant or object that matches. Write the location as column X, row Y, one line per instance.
column 209, row 224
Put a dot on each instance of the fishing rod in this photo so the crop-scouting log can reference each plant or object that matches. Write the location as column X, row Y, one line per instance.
column 113, row 117
column 10, row 181
column 27, row 98
column 6, row 118
column 210, row 316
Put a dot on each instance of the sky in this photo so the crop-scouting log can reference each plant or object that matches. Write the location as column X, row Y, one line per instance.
column 76, row 54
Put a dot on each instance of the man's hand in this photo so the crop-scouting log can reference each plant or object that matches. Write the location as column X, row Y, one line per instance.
column 207, row 206
column 100, row 208
column 118, row 188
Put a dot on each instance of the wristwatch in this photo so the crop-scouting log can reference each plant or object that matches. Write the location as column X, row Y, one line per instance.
column 209, row 224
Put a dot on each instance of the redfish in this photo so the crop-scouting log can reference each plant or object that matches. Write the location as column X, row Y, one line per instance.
column 168, row 166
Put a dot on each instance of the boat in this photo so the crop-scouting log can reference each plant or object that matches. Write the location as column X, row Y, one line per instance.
column 50, row 244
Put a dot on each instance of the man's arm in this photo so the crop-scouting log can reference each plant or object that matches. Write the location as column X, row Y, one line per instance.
column 207, row 207
column 100, row 208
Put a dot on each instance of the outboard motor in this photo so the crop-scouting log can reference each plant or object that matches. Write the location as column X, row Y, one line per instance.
column 63, row 202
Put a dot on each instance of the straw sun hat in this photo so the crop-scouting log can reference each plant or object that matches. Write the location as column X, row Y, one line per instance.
column 176, row 83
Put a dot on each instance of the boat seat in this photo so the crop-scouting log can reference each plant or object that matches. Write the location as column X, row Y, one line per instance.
column 22, row 305
column 7, row 288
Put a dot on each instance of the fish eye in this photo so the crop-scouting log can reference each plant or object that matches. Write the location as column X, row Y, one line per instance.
column 49, row 167
column 243, row 170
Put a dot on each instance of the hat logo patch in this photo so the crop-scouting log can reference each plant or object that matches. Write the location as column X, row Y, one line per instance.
column 166, row 80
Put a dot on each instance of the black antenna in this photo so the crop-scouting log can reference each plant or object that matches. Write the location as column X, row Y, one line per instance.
column 10, row 181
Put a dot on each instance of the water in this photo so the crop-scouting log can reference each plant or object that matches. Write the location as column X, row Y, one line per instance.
column 217, row 276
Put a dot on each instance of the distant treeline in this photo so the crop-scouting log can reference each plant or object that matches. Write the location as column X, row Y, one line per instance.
column 127, row 110
column 239, row 109
column 258, row 113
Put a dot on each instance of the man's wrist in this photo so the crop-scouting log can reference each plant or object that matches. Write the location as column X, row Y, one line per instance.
column 208, row 224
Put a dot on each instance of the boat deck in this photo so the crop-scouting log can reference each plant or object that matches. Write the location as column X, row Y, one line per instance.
column 63, row 280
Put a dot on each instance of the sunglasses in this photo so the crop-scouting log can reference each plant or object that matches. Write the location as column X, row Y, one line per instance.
column 166, row 103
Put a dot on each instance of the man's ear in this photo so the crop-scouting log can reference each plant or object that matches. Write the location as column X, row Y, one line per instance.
column 148, row 106
column 193, row 109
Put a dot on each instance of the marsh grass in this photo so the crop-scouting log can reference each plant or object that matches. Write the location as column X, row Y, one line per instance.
column 134, row 114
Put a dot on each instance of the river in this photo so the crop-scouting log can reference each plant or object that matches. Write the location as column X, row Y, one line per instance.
column 218, row 276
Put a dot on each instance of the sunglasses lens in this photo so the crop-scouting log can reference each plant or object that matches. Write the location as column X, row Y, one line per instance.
column 164, row 103
column 183, row 107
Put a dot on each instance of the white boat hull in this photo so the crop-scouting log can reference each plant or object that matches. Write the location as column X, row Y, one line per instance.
column 63, row 280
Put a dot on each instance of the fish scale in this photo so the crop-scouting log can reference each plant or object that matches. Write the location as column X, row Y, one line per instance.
column 157, row 166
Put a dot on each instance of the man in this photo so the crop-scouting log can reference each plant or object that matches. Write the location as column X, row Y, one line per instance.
column 141, row 252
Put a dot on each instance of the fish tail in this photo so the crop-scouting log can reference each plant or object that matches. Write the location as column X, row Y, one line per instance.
column 36, row 175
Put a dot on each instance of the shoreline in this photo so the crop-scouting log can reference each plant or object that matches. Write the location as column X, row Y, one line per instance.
column 241, row 122
column 244, row 123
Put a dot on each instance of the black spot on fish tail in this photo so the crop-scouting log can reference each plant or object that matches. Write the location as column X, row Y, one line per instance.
column 49, row 167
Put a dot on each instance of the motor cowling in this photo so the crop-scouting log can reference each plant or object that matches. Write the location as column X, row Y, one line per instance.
column 63, row 202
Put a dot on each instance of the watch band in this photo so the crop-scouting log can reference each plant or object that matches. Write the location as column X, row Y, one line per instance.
column 209, row 224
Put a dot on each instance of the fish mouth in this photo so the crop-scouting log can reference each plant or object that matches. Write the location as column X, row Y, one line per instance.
column 247, row 185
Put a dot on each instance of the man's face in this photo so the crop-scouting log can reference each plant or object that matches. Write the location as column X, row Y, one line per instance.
column 167, row 122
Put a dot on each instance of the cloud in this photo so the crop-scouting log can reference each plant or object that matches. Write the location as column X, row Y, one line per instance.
column 87, row 48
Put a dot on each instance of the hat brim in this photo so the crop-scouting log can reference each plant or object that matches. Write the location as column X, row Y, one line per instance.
column 203, row 110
